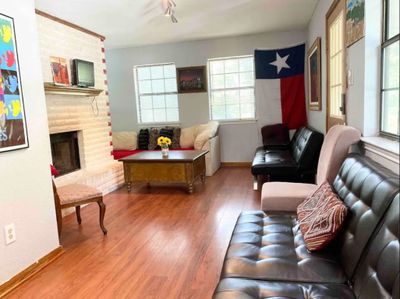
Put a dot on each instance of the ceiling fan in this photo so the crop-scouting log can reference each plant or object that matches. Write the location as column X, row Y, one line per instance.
column 169, row 6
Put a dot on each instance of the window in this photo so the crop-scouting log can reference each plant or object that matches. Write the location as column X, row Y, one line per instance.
column 231, row 88
column 390, row 69
column 156, row 93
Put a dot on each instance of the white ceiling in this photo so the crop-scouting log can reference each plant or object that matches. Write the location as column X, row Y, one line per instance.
column 128, row 23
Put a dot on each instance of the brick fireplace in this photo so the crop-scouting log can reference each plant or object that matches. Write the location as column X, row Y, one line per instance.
column 65, row 152
column 86, row 118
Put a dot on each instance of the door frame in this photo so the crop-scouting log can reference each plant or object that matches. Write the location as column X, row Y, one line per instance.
column 333, row 6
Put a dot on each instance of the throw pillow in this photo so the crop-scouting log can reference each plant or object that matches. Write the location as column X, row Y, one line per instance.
column 201, row 139
column 124, row 140
column 153, row 136
column 321, row 225
column 166, row 132
column 309, row 204
column 175, row 137
column 143, row 139
column 187, row 136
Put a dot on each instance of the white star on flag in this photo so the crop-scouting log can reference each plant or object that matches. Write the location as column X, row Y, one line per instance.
column 280, row 63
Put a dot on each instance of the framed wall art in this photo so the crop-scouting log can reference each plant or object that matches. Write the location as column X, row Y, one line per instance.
column 192, row 79
column 13, row 131
column 314, row 75
column 354, row 21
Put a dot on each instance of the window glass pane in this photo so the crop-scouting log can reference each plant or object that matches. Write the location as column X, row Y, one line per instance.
column 391, row 66
column 156, row 95
column 157, row 72
column 246, row 64
column 231, row 80
column 145, row 86
column 390, row 111
column 393, row 18
column 170, row 85
column 247, row 110
column 217, row 67
column 172, row 114
column 217, row 82
column 143, row 73
column 157, row 86
column 169, row 71
column 171, row 100
column 146, row 102
column 218, row 98
column 232, row 112
column 218, row 112
column 147, row 115
column 231, row 66
column 158, row 101
column 232, row 96
column 160, row 115
column 247, row 95
column 246, row 79
column 232, row 88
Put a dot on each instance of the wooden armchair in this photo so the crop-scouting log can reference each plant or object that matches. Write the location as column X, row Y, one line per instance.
column 75, row 195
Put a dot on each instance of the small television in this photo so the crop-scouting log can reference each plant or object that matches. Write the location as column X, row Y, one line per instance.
column 83, row 73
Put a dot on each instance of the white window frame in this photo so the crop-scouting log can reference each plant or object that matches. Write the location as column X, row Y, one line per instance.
column 138, row 94
column 386, row 42
column 234, row 120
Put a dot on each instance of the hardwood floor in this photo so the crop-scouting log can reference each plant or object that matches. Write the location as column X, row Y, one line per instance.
column 161, row 243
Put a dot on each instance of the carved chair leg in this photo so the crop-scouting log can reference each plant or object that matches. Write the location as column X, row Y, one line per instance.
column 78, row 214
column 102, row 207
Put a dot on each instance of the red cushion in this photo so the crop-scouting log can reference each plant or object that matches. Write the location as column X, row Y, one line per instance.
column 119, row 154
column 53, row 170
column 321, row 217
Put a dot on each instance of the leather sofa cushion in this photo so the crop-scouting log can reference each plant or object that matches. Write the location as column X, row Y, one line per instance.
column 273, row 161
column 272, row 248
column 235, row 288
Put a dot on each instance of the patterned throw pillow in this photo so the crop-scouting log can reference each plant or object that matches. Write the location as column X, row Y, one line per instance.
column 321, row 218
column 175, row 137
column 143, row 139
column 153, row 135
column 309, row 204
column 165, row 132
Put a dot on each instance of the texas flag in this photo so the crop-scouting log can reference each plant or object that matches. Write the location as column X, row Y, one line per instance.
column 280, row 85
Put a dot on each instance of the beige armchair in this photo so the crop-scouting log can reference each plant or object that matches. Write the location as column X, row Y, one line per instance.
column 285, row 197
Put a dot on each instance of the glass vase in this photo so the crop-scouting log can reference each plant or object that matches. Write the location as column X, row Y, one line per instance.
column 164, row 151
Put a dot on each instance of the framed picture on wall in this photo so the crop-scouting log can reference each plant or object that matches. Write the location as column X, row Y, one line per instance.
column 59, row 70
column 354, row 21
column 13, row 131
column 191, row 79
column 314, row 75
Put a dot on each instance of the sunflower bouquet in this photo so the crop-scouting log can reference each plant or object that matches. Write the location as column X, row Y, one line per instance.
column 164, row 143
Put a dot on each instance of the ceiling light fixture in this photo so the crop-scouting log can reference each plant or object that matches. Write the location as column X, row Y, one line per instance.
column 170, row 11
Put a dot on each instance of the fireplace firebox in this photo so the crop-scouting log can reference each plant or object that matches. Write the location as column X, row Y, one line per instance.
column 65, row 152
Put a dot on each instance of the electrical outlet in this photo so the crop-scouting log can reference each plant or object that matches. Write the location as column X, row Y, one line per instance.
column 10, row 234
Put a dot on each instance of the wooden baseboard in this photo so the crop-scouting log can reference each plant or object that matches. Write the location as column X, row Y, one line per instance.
column 236, row 164
column 23, row 276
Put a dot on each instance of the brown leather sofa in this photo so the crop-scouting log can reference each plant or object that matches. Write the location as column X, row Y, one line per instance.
column 267, row 257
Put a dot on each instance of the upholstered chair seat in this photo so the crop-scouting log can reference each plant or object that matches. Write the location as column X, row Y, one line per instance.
column 73, row 193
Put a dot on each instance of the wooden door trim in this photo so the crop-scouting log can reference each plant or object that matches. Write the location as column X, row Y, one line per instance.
column 331, row 9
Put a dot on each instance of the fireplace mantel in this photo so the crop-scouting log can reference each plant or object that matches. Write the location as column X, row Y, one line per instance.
column 51, row 88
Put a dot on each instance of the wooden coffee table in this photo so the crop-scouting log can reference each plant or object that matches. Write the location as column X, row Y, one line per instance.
column 182, row 167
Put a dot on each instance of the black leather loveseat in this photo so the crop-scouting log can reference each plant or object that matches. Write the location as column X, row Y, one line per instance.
column 267, row 257
column 297, row 161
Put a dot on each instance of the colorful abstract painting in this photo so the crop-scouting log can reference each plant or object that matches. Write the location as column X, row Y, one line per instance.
column 354, row 21
column 13, row 133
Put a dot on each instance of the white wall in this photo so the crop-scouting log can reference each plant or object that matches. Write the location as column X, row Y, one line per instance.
column 193, row 107
column 363, row 60
column 316, row 28
column 26, row 197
